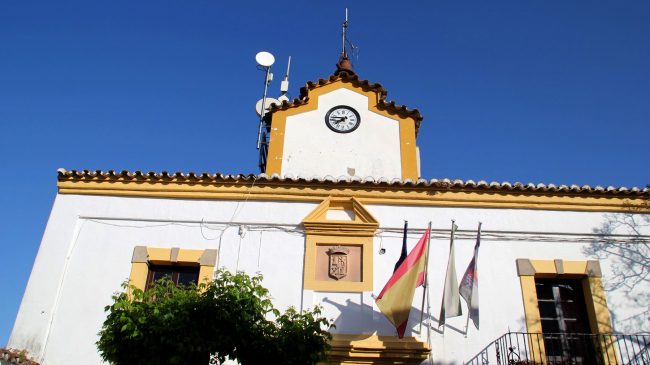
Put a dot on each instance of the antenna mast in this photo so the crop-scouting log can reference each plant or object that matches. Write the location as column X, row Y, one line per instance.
column 264, row 61
column 284, row 85
column 286, row 76
column 344, row 52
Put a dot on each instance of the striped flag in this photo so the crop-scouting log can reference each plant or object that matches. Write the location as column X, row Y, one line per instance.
column 469, row 284
column 451, row 298
column 396, row 299
column 404, row 253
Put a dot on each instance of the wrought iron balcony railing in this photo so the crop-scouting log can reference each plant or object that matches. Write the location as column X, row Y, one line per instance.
column 520, row 348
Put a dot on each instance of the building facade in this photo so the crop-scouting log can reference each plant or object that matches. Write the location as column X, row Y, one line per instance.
column 324, row 226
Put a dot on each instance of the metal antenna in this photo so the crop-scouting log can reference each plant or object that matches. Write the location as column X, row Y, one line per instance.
column 284, row 85
column 264, row 61
column 267, row 81
column 288, row 68
column 344, row 52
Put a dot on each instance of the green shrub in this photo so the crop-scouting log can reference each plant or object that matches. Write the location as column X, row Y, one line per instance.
column 231, row 317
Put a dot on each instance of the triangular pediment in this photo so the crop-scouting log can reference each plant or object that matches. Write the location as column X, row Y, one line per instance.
column 376, row 97
column 340, row 216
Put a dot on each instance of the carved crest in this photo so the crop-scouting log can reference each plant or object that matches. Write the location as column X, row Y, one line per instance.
column 338, row 262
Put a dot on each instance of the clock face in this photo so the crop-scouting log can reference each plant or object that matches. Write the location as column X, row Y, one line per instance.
column 342, row 119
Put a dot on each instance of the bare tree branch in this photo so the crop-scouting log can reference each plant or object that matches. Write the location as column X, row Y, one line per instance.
column 629, row 259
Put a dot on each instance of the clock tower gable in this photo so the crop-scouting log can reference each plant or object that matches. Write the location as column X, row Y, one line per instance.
column 343, row 126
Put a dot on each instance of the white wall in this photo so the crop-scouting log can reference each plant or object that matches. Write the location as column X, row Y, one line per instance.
column 501, row 303
column 64, row 300
column 312, row 149
column 86, row 254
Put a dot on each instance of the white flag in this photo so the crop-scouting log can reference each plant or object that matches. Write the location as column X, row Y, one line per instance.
column 451, row 297
column 469, row 284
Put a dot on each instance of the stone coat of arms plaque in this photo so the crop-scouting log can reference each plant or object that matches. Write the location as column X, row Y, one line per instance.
column 338, row 267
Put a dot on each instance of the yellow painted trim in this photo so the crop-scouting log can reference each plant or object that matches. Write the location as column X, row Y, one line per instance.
column 140, row 270
column 408, row 148
column 595, row 296
column 574, row 267
column 364, row 223
column 595, row 300
column 321, row 231
column 189, row 255
column 366, row 194
column 531, row 306
column 598, row 313
column 279, row 122
column 310, row 281
column 164, row 255
column 372, row 349
column 533, row 320
column 138, row 276
column 205, row 273
column 544, row 268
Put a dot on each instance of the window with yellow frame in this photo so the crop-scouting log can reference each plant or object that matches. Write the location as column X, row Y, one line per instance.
column 586, row 274
column 145, row 258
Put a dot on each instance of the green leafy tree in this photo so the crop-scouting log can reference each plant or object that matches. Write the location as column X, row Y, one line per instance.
column 231, row 317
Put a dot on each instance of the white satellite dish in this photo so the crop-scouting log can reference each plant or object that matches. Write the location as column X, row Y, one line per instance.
column 269, row 102
column 264, row 59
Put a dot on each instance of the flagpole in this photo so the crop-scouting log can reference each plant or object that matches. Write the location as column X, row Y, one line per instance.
column 429, row 305
column 469, row 309
column 469, row 303
column 429, row 329
column 443, row 314
column 426, row 276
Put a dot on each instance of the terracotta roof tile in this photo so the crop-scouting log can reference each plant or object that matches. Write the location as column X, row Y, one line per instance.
column 442, row 184
column 390, row 106
column 10, row 356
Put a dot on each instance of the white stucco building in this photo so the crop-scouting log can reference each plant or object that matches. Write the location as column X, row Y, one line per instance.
column 343, row 169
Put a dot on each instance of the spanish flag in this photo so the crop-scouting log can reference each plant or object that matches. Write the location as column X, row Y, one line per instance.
column 396, row 299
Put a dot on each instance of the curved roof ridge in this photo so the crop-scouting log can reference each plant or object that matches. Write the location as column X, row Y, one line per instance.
column 344, row 76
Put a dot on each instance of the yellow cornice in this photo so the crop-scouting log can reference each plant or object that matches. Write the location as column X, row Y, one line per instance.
column 373, row 349
column 364, row 224
column 344, row 228
column 366, row 193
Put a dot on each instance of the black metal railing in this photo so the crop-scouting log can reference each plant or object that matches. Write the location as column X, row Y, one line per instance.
column 521, row 348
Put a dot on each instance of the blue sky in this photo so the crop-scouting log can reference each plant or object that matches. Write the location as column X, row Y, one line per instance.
column 530, row 91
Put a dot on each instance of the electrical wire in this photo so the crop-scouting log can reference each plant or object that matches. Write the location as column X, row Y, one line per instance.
column 248, row 194
column 383, row 232
column 238, row 254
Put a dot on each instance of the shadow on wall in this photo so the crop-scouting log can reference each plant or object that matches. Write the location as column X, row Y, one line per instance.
column 362, row 318
column 622, row 243
column 374, row 322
